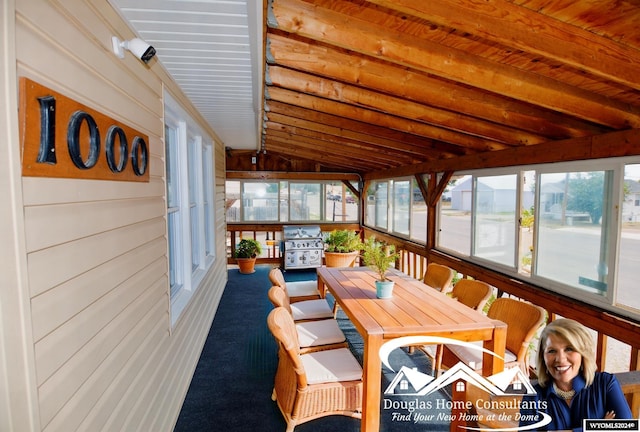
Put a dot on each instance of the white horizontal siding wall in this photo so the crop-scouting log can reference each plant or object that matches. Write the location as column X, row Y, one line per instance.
column 99, row 351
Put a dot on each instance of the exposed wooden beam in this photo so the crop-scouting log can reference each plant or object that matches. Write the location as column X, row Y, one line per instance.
column 384, row 144
column 306, row 129
column 288, row 151
column 325, row 143
column 440, row 187
column 443, row 139
column 505, row 22
column 613, row 144
column 404, row 141
column 364, row 98
column 321, row 24
column 402, row 82
column 286, row 144
column 277, row 175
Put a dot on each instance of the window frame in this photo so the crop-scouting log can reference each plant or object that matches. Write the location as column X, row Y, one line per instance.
column 192, row 170
column 284, row 201
column 613, row 232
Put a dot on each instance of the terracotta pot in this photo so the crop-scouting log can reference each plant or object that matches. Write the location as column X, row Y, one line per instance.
column 246, row 265
column 339, row 259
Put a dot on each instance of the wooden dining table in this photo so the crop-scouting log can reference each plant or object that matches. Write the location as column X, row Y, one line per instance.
column 415, row 309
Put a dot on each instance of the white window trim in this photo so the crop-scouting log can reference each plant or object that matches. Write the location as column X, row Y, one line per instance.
column 606, row 301
column 187, row 132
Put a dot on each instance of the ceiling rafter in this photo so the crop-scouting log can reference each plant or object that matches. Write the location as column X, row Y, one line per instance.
column 503, row 22
column 321, row 24
column 404, row 108
column 443, row 138
column 387, row 78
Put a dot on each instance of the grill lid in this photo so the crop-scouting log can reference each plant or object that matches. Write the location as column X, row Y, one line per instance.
column 301, row 232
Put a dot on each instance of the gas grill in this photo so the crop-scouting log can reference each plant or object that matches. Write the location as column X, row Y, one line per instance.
column 303, row 246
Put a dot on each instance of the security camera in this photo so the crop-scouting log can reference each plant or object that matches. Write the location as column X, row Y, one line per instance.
column 140, row 49
column 137, row 46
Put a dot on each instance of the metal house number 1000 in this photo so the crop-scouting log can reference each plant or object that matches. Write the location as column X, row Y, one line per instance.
column 47, row 153
column 49, row 119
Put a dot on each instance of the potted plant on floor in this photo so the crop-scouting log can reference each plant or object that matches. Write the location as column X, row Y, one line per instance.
column 379, row 256
column 342, row 247
column 246, row 253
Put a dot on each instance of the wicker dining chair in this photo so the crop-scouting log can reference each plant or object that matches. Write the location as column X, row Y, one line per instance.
column 523, row 321
column 323, row 333
column 438, row 276
column 306, row 310
column 316, row 384
column 297, row 290
column 470, row 292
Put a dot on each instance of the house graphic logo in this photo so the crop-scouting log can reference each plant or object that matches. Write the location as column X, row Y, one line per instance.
column 511, row 382
column 410, row 382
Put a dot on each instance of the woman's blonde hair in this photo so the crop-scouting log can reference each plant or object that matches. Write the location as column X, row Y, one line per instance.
column 575, row 335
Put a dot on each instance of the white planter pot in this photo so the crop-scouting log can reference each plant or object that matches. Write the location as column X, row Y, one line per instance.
column 384, row 289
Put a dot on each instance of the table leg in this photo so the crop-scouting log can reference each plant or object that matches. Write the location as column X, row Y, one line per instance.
column 321, row 287
column 492, row 365
column 372, row 374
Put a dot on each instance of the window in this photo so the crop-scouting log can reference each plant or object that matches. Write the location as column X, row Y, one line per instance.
column 341, row 204
column 207, row 203
column 572, row 245
column 232, row 194
column 190, row 211
column 568, row 227
column 305, row 202
column 454, row 231
column 401, row 209
column 195, row 174
column 397, row 206
column 174, row 217
column 418, row 229
column 295, row 201
column 377, row 205
column 494, row 227
column 260, row 201
column 628, row 255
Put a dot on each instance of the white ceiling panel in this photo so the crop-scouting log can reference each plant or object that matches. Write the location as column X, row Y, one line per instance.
column 213, row 50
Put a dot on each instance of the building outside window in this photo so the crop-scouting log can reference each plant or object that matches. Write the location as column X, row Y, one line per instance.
column 290, row 201
column 568, row 227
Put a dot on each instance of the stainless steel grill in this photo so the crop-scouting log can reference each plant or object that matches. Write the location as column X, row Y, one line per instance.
column 303, row 246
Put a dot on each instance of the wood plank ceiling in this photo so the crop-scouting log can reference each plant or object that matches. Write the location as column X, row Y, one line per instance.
column 370, row 85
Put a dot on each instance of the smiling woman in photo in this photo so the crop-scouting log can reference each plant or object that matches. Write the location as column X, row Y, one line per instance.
column 569, row 388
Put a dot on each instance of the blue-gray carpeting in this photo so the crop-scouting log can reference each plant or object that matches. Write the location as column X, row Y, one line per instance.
column 231, row 387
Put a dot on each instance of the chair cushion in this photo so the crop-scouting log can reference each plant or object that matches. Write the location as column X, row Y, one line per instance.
column 473, row 357
column 323, row 332
column 311, row 309
column 302, row 288
column 331, row 366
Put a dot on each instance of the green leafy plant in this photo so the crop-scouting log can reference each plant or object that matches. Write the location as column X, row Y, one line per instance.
column 248, row 248
column 342, row 241
column 379, row 256
column 527, row 218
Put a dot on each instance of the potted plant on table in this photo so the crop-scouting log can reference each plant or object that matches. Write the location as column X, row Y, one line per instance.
column 342, row 247
column 379, row 256
column 246, row 253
